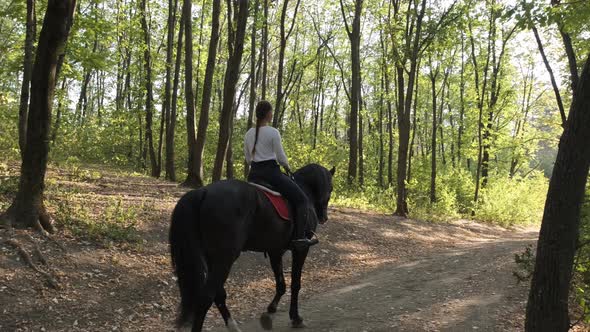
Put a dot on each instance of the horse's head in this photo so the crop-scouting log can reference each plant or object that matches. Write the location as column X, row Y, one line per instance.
column 316, row 181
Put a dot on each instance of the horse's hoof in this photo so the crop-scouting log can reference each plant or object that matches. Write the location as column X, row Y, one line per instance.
column 297, row 323
column 271, row 309
column 232, row 325
column 266, row 321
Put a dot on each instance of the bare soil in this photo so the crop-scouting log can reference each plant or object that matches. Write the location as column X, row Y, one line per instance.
column 370, row 272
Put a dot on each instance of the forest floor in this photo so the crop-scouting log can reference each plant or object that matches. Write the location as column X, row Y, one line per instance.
column 370, row 272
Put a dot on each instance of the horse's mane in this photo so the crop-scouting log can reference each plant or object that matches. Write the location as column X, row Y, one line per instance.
column 315, row 177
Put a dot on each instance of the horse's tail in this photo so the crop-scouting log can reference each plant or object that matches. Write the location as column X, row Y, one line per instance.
column 188, row 259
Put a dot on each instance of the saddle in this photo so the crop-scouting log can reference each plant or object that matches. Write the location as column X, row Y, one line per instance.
column 276, row 199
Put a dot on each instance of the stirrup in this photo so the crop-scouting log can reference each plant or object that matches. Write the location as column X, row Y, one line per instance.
column 300, row 244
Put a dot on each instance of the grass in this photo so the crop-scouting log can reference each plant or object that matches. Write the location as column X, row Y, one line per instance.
column 77, row 210
column 113, row 223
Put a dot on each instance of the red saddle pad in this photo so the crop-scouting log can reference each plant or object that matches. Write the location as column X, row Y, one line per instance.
column 279, row 203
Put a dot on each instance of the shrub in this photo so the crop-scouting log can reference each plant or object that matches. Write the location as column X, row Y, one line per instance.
column 514, row 201
column 115, row 223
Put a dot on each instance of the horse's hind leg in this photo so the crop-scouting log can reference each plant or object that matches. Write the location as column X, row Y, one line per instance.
column 218, row 273
column 276, row 262
column 224, row 311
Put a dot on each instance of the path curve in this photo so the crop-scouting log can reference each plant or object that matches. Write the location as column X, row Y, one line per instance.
column 470, row 288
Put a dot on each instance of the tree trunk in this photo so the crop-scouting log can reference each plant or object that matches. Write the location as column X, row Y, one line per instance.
column 433, row 138
column 527, row 91
column 404, row 110
column 27, row 70
column 171, row 130
column 414, row 130
column 265, row 51
column 461, row 100
column 82, row 106
column 480, row 91
column 380, row 123
column 57, row 122
column 166, row 108
column 354, row 35
column 28, row 209
column 83, row 99
column 197, row 90
column 207, row 88
column 390, row 126
column 551, row 76
column 253, row 79
column 547, row 307
column 149, row 100
column 403, row 125
column 284, row 35
column 236, row 48
column 361, row 152
column 192, row 178
column 229, row 159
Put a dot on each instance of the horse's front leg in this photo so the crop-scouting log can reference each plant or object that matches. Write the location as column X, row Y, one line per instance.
column 276, row 262
column 297, row 267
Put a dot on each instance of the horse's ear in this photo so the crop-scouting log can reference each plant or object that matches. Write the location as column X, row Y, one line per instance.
column 333, row 170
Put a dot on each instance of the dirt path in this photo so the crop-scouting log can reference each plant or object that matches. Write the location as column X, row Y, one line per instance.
column 370, row 272
column 465, row 289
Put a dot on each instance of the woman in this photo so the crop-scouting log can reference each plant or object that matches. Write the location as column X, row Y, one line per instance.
column 264, row 152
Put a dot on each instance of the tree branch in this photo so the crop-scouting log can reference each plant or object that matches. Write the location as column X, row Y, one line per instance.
column 293, row 21
column 345, row 20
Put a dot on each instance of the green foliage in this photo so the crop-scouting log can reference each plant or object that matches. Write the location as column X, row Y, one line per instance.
column 514, row 201
column 525, row 262
column 369, row 198
column 109, row 140
column 76, row 172
column 111, row 131
column 8, row 127
column 8, row 185
column 581, row 279
column 116, row 223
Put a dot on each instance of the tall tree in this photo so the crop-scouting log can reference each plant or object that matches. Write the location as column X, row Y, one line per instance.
column 192, row 176
column 149, row 97
column 354, row 36
column 405, row 99
column 253, row 75
column 27, row 70
column 488, row 91
column 235, row 45
column 284, row 36
column 413, row 44
column 166, row 104
column 434, row 71
column 264, row 51
column 547, row 307
column 28, row 208
column 171, row 128
column 207, row 88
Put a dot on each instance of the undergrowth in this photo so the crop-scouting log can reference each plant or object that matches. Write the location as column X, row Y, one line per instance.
column 115, row 223
column 504, row 201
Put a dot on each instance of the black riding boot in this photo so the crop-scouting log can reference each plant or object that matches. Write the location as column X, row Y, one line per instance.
column 302, row 216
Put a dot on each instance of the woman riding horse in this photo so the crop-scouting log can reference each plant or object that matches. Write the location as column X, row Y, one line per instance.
column 264, row 153
column 212, row 225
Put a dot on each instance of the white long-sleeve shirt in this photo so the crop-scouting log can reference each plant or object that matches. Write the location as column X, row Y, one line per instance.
column 268, row 146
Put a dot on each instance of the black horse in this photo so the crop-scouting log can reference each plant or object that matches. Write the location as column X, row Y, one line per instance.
column 212, row 225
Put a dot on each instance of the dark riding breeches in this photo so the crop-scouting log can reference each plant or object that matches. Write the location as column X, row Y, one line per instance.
column 270, row 172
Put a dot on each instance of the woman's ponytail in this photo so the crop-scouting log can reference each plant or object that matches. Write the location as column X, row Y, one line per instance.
column 258, row 123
